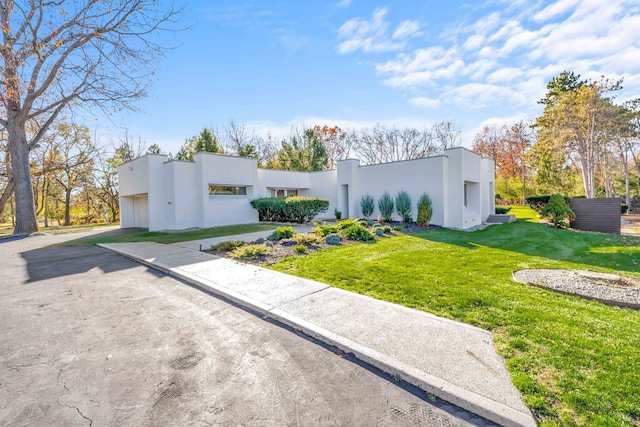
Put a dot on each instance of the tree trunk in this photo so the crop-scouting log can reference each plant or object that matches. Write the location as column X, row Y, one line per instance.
column 6, row 195
column 19, row 149
column 524, row 185
column 46, row 203
column 67, row 207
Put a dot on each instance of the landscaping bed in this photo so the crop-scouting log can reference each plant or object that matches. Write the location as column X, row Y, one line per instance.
column 286, row 243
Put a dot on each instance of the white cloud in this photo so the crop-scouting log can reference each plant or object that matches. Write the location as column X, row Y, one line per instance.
column 424, row 102
column 406, row 29
column 368, row 36
column 343, row 3
column 424, row 67
column 555, row 9
column 477, row 95
column 504, row 58
column 374, row 35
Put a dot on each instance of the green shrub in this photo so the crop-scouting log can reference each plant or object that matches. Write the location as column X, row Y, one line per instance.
column 358, row 233
column 302, row 209
column 379, row 232
column 397, row 228
column 300, row 249
column 377, row 225
column 326, row 229
column 403, row 206
column 367, row 205
column 624, row 208
column 282, row 233
column 385, row 206
column 307, row 239
column 386, row 229
column 537, row 203
column 332, row 239
column 557, row 210
column 337, row 213
column 370, row 223
column 250, row 251
column 346, row 223
column 291, row 209
column 227, row 246
column 501, row 210
column 425, row 210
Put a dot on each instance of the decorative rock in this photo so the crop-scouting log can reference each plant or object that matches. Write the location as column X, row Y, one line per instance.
column 607, row 288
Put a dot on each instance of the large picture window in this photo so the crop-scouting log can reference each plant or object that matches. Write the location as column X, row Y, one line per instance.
column 226, row 190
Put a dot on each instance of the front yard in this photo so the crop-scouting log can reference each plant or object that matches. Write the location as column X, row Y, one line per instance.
column 576, row 362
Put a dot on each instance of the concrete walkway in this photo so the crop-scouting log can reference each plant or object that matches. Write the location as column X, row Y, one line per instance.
column 452, row 360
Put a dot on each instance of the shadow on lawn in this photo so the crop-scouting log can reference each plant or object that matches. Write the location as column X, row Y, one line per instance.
column 618, row 252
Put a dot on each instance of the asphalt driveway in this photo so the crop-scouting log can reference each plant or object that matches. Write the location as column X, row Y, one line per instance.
column 88, row 337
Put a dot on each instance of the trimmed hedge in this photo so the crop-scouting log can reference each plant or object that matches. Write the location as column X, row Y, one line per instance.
column 501, row 210
column 537, row 203
column 290, row 209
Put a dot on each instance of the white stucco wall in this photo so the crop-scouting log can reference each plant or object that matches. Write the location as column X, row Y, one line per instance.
column 175, row 194
column 465, row 166
column 413, row 176
column 183, row 198
column 219, row 169
column 278, row 179
column 323, row 185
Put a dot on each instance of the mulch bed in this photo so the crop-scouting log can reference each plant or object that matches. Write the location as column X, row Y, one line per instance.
column 285, row 248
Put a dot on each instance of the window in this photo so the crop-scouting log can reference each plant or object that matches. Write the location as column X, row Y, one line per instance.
column 465, row 194
column 226, row 190
column 282, row 192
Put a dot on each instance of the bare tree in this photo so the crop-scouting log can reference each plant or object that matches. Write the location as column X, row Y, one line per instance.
column 56, row 53
column 382, row 144
column 75, row 157
column 447, row 134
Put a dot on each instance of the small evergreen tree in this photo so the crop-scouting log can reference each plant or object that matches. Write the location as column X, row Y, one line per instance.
column 367, row 205
column 558, row 211
column 425, row 210
column 403, row 206
column 385, row 206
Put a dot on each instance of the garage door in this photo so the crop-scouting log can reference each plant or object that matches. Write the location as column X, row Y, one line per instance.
column 141, row 211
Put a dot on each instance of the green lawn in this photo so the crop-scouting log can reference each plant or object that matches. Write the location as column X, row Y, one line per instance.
column 162, row 237
column 576, row 362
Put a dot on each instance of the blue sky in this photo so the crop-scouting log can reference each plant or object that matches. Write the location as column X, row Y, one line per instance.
column 277, row 64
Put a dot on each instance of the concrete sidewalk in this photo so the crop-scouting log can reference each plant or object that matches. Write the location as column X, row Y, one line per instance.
column 452, row 360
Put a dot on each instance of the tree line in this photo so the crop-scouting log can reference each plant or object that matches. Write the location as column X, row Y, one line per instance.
column 583, row 144
column 321, row 147
column 74, row 176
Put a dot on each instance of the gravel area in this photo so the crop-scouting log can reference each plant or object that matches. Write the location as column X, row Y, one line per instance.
column 608, row 288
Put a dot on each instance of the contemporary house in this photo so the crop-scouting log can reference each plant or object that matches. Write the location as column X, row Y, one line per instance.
column 215, row 189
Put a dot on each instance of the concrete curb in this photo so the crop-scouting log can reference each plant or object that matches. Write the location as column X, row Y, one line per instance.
column 473, row 402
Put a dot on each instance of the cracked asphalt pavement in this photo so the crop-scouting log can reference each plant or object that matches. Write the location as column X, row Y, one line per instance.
column 89, row 338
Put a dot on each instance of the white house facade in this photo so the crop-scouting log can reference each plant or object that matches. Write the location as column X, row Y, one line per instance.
column 215, row 189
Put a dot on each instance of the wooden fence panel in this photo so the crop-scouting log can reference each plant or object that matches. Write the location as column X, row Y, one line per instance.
column 601, row 215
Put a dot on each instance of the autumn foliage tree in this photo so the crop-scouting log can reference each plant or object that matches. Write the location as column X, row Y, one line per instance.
column 92, row 53
column 507, row 147
column 336, row 143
